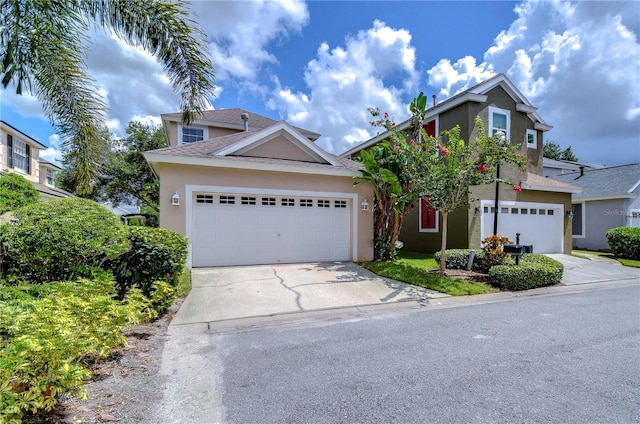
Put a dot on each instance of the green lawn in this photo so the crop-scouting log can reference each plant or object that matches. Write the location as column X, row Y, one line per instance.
column 626, row 262
column 413, row 268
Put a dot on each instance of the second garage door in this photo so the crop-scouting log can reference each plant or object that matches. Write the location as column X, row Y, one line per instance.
column 245, row 229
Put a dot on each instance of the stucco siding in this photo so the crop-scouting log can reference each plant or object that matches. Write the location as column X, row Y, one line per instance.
column 176, row 178
column 600, row 216
column 279, row 148
column 416, row 241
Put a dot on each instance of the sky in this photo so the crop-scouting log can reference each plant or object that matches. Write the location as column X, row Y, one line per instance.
column 320, row 64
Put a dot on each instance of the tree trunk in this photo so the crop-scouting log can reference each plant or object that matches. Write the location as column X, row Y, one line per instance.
column 443, row 245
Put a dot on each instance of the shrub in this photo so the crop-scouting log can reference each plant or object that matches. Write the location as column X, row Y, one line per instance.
column 625, row 242
column 15, row 192
column 155, row 254
column 48, row 333
column 458, row 258
column 56, row 240
column 494, row 253
column 534, row 271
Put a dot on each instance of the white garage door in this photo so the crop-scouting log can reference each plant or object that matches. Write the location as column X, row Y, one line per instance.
column 539, row 224
column 245, row 229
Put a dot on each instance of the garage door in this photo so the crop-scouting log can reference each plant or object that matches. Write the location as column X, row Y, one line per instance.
column 245, row 229
column 539, row 224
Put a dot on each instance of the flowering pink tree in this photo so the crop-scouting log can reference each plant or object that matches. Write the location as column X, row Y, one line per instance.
column 444, row 170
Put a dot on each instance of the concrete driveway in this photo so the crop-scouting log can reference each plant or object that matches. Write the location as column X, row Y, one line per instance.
column 594, row 269
column 228, row 293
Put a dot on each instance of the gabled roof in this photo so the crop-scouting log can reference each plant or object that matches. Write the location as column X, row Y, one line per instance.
column 48, row 191
column 477, row 93
column 232, row 118
column 46, row 163
column 227, row 152
column 605, row 183
column 540, row 183
column 31, row 139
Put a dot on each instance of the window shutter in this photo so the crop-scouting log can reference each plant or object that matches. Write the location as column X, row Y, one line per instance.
column 430, row 128
column 428, row 218
column 28, row 152
column 9, row 151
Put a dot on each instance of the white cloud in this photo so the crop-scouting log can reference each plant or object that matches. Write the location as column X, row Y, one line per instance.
column 240, row 32
column 374, row 68
column 52, row 153
column 579, row 63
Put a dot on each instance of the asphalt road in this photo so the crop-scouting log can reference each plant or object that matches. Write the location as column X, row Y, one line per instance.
column 571, row 358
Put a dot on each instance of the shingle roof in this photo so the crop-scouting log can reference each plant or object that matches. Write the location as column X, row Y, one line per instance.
column 539, row 182
column 51, row 191
column 604, row 182
column 233, row 117
column 210, row 148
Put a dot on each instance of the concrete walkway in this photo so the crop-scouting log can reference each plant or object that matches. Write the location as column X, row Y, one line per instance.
column 594, row 269
column 229, row 293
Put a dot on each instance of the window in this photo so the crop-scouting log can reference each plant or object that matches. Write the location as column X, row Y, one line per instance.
column 227, row 200
column 287, row 202
column 245, row 200
column 49, row 177
column 428, row 218
column 541, row 211
column 268, row 201
column 577, row 227
column 324, row 203
column 532, row 139
column 514, row 211
column 192, row 134
column 204, row 198
column 306, row 203
column 499, row 120
column 340, row 204
column 19, row 155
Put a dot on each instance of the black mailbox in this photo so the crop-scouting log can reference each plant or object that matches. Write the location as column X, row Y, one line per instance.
column 514, row 249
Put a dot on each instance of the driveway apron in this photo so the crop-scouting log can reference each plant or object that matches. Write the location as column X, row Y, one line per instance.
column 579, row 270
column 226, row 293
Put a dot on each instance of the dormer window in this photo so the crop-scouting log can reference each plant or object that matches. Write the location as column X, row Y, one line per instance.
column 499, row 120
column 193, row 134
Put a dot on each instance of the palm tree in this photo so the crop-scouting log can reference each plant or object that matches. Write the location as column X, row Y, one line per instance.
column 43, row 50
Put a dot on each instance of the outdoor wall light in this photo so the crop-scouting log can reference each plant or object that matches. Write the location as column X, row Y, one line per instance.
column 175, row 199
column 569, row 214
column 365, row 205
column 476, row 211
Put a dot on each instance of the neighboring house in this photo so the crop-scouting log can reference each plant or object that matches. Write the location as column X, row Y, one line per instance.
column 246, row 189
column 552, row 167
column 610, row 198
column 538, row 212
column 20, row 153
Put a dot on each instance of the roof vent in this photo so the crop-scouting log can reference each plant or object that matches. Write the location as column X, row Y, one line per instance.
column 245, row 118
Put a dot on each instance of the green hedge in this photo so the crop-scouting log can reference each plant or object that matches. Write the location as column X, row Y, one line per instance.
column 49, row 332
column 459, row 258
column 155, row 254
column 57, row 240
column 534, row 271
column 625, row 242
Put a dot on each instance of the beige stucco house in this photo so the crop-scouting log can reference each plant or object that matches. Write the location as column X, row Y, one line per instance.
column 538, row 212
column 20, row 153
column 246, row 189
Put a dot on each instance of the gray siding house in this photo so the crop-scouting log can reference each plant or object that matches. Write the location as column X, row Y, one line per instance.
column 610, row 198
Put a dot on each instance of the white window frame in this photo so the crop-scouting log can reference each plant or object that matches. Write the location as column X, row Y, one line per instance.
column 49, row 175
column 436, row 229
column 533, row 145
column 584, row 210
column 505, row 112
column 19, row 154
column 205, row 132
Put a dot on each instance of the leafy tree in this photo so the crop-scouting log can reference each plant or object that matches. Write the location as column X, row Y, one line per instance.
column 43, row 50
column 127, row 176
column 443, row 172
column 552, row 150
column 15, row 192
column 386, row 171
